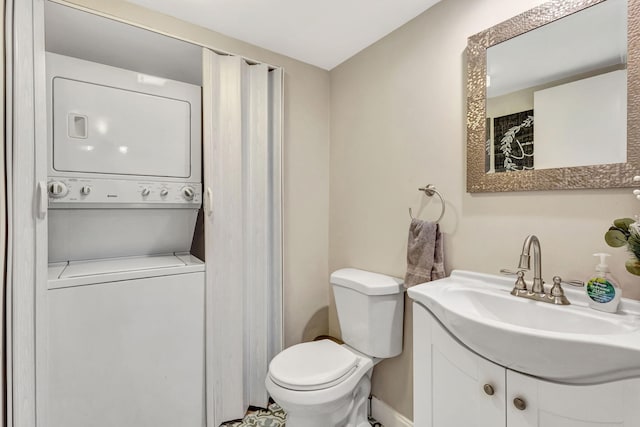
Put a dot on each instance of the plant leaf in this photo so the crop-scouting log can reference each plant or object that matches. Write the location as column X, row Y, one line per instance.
column 623, row 223
column 633, row 266
column 615, row 238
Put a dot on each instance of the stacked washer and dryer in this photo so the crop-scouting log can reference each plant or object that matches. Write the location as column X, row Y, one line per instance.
column 122, row 323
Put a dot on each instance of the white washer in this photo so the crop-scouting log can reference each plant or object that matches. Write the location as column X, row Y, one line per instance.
column 126, row 342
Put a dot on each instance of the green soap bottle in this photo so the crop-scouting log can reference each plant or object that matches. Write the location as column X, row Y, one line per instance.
column 602, row 289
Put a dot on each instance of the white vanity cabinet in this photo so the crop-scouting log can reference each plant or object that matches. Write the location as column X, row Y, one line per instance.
column 449, row 380
column 550, row 404
column 454, row 387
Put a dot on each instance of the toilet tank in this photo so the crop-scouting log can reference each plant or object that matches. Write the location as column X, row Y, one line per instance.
column 370, row 311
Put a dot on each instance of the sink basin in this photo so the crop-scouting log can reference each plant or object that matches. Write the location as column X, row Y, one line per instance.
column 571, row 344
column 500, row 307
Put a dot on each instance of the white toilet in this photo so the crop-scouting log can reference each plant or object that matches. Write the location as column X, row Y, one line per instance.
column 324, row 384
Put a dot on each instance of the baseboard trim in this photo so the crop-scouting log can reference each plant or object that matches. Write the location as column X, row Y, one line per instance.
column 388, row 416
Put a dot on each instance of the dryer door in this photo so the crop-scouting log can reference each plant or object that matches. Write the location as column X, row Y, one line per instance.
column 102, row 129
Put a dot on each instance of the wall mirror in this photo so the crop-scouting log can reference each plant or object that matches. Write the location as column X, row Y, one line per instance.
column 553, row 98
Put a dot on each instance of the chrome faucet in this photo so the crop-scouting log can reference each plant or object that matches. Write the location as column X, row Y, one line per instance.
column 537, row 291
column 525, row 262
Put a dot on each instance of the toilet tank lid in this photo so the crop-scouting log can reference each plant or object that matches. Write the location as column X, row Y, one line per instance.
column 366, row 282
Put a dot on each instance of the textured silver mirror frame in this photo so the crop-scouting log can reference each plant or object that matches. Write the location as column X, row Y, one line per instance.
column 598, row 176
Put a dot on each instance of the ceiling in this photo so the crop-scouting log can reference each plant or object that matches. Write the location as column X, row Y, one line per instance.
column 322, row 33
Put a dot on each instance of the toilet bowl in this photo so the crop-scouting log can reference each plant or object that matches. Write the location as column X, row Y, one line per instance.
column 321, row 384
column 324, row 384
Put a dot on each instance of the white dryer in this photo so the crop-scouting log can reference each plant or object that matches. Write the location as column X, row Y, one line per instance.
column 124, row 161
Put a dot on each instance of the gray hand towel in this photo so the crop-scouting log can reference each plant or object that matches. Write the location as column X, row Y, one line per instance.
column 425, row 257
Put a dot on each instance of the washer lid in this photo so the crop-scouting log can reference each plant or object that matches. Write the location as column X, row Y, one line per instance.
column 312, row 365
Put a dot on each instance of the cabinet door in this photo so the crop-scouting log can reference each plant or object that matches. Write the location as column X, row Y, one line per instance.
column 556, row 405
column 449, row 380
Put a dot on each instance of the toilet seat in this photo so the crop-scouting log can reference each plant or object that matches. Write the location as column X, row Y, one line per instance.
column 313, row 365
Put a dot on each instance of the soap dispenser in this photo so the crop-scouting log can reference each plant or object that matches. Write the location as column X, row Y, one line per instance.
column 602, row 289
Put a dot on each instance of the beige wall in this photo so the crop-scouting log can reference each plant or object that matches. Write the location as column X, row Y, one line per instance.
column 306, row 166
column 398, row 122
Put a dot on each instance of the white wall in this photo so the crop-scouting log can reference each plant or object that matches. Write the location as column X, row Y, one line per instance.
column 398, row 115
column 305, row 167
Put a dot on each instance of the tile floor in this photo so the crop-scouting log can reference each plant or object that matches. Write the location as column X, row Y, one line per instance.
column 273, row 416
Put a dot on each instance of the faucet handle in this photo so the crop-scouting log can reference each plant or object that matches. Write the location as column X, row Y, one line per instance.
column 576, row 283
column 556, row 294
column 507, row 272
column 520, row 284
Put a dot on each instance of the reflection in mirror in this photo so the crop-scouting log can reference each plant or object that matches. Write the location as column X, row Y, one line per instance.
column 549, row 106
column 557, row 95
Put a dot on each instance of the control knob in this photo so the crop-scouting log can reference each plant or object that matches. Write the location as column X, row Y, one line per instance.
column 145, row 192
column 164, row 192
column 85, row 190
column 188, row 193
column 58, row 189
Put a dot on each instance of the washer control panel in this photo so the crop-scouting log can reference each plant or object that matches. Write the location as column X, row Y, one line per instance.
column 77, row 192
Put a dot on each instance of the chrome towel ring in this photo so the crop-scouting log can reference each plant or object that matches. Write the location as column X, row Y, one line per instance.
column 430, row 190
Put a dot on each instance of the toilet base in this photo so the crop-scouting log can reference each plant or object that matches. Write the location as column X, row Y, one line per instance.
column 347, row 412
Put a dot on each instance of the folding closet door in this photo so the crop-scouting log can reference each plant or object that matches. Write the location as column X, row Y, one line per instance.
column 242, row 105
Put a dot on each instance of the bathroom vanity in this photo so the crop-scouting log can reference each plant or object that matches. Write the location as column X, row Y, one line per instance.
column 460, row 382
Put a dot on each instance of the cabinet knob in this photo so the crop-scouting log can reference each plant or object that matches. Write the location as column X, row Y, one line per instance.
column 519, row 403
column 488, row 389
